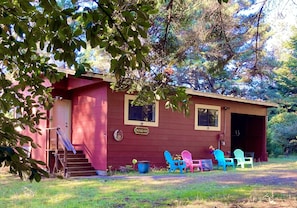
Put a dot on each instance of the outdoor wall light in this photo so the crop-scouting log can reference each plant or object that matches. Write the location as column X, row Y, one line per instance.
column 58, row 98
column 226, row 108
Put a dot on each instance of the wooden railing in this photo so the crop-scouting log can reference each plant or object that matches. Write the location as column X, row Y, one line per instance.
column 66, row 146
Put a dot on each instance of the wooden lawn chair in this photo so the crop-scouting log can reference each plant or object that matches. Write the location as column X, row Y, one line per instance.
column 242, row 160
column 190, row 163
column 222, row 160
column 174, row 164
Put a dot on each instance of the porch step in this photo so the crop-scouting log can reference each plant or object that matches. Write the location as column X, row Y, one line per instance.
column 82, row 173
column 77, row 160
column 80, row 168
column 78, row 164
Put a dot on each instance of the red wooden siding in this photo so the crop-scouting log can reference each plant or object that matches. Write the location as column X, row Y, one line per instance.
column 40, row 152
column 40, row 139
column 174, row 133
column 89, row 123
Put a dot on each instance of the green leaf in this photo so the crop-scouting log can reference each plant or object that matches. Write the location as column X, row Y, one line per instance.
column 137, row 42
column 220, row 1
column 81, row 70
column 142, row 32
column 128, row 17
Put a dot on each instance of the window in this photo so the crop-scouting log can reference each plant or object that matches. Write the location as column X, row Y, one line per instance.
column 207, row 117
column 147, row 115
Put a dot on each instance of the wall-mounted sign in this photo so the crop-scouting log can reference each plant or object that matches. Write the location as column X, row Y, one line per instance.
column 140, row 130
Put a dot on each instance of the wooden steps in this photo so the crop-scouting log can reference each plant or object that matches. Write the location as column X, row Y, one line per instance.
column 77, row 164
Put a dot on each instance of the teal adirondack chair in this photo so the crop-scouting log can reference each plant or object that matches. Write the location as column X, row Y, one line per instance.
column 242, row 160
column 174, row 164
column 222, row 160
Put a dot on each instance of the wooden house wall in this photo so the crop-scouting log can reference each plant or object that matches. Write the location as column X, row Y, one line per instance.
column 39, row 153
column 89, row 123
column 174, row 133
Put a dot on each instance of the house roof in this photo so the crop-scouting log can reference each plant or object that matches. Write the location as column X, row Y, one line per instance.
column 109, row 78
column 230, row 98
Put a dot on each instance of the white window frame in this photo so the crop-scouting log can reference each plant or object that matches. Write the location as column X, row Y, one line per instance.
column 139, row 123
column 207, row 128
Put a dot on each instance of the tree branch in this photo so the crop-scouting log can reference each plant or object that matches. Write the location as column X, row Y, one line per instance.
column 118, row 30
column 257, row 34
column 169, row 8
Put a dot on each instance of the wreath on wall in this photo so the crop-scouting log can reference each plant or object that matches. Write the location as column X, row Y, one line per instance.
column 118, row 135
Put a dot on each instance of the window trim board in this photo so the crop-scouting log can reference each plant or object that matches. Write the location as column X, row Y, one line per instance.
column 139, row 123
column 207, row 128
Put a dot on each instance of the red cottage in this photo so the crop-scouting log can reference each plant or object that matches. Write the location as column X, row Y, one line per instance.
column 108, row 132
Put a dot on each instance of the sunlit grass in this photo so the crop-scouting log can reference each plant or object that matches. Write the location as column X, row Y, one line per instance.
column 142, row 190
column 110, row 193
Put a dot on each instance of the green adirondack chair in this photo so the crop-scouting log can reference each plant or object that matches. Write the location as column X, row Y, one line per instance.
column 222, row 160
column 242, row 160
column 174, row 164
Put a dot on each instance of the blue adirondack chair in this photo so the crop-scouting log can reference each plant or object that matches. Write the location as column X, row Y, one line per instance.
column 241, row 159
column 174, row 164
column 222, row 160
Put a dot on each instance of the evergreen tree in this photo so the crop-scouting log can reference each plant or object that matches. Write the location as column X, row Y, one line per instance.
column 282, row 127
column 286, row 78
column 212, row 47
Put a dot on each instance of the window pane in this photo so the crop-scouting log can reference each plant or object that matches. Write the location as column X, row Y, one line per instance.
column 202, row 117
column 212, row 117
column 207, row 117
column 141, row 113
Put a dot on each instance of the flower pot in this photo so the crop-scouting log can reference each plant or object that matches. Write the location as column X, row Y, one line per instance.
column 143, row 166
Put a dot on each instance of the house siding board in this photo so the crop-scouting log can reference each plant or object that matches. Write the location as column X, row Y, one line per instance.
column 174, row 133
column 39, row 138
column 90, row 124
column 74, row 82
column 248, row 109
column 38, row 153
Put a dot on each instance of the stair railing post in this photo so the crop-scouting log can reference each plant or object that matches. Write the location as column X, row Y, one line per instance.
column 48, row 133
column 57, row 140
column 56, row 153
column 65, row 163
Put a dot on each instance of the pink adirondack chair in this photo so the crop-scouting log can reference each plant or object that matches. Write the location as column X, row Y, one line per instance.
column 190, row 163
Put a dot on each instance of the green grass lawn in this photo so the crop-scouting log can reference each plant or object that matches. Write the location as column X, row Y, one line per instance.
column 142, row 190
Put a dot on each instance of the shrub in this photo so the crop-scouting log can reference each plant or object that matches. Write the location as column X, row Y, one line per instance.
column 282, row 129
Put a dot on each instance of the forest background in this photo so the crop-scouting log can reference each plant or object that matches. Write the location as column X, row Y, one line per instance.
column 240, row 48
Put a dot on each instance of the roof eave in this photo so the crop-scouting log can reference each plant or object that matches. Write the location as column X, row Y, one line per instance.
column 230, row 98
column 104, row 77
